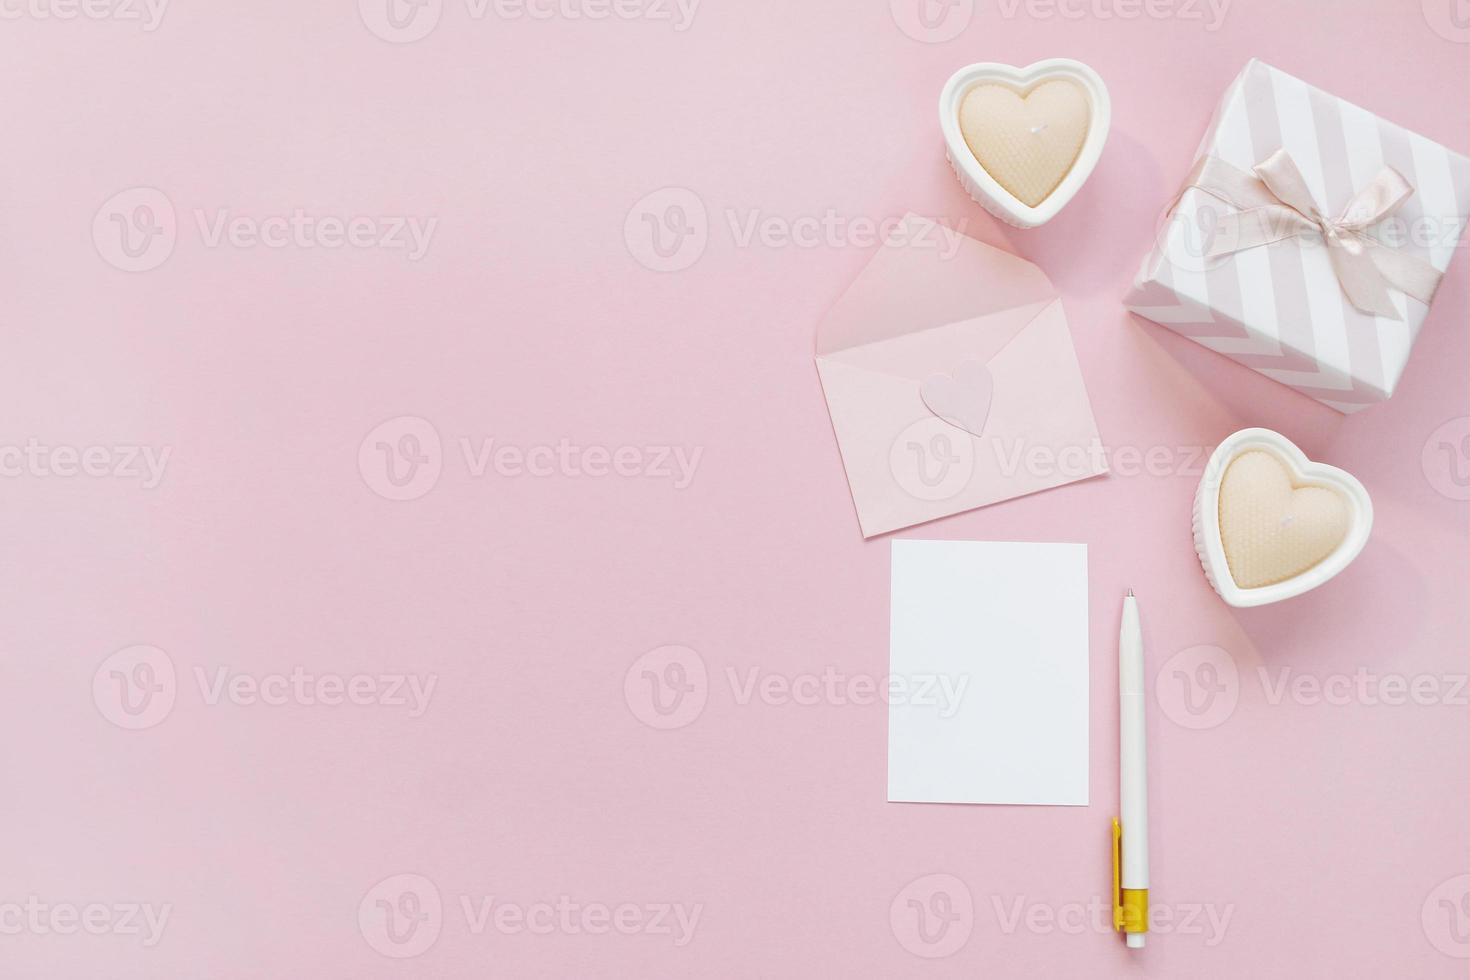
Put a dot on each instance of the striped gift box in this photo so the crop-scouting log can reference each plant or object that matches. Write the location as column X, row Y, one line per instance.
column 1280, row 309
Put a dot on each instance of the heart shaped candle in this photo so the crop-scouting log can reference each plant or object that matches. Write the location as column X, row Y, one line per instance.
column 1028, row 143
column 1270, row 524
column 1272, row 529
column 1023, row 141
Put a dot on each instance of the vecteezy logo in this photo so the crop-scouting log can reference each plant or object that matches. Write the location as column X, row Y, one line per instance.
column 1186, row 235
column 135, row 230
column 402, row 458
column 1198, row 688
column 401, row 916
column 933, row 916
column 932, row 460
column 1446, row 917
column 400, row 21
column 667, row 230
column 135, row 688
column 667, row 688
column 1446, row 459
column 932, row 21
column 1450, row 19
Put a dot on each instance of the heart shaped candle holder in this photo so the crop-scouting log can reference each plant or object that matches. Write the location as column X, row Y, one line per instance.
column 1013, row 125
column 1270, row 524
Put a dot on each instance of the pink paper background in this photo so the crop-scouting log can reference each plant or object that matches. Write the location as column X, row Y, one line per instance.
column 1334, row 835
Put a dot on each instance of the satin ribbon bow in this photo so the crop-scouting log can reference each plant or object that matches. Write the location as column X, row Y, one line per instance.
column 1276, row 204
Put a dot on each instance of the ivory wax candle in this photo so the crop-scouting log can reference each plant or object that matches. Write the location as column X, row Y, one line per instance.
column 1029, row 142
column 1023, row 141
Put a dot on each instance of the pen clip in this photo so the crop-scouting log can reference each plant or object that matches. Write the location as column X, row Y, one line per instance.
column 1117, row 875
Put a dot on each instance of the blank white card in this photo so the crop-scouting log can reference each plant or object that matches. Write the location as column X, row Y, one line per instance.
column 988, row 700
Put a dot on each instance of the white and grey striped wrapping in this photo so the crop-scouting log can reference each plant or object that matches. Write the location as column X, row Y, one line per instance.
column 1280, row 309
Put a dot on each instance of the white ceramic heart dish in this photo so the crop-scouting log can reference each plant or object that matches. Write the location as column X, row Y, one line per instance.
column 981, row 185
column 1304, row 473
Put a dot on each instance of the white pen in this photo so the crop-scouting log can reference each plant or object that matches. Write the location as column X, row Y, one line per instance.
column 1130, row 840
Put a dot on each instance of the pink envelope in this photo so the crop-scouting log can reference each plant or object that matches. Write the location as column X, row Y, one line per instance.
column 952, row 383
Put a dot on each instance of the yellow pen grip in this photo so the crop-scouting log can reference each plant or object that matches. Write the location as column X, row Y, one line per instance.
column 1130, row 905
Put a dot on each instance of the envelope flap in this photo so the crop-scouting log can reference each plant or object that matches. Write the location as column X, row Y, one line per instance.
column 939, row 349
column 927, row 276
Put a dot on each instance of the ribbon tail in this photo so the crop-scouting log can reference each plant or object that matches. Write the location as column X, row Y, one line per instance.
column 1362, row 282
column 1407, row 273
